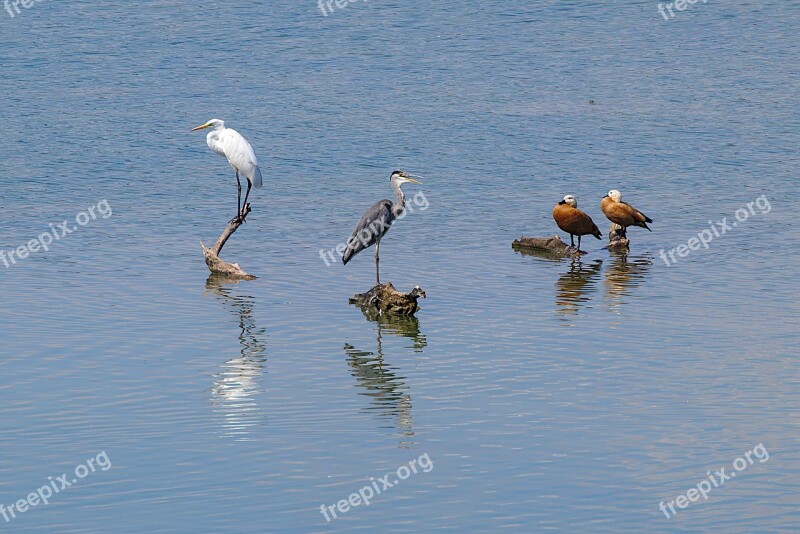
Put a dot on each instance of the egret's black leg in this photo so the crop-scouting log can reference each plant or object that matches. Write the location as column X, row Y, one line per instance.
column 377, row 261
column 244, row 206
column 238, row 199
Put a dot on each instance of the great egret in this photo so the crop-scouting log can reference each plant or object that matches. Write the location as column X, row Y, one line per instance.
column 231, row 144
column 573, row 221
column 377, row 220
column 623, row 214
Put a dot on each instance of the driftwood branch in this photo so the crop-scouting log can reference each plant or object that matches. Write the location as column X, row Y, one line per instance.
column 385, row 299
column 219, row 266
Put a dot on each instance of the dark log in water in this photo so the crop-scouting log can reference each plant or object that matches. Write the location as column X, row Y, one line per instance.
column 219, row 266
column 551, row 244
column 554, row 246
column 384, row 298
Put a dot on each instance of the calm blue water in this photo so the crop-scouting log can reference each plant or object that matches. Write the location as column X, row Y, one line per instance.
column 549, row 395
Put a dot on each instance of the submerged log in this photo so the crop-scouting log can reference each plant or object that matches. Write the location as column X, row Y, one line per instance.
column 384, row 298
column 219, row 266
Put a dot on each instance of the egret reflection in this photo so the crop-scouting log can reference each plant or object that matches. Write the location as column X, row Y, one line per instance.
column 386, row 389
column 239, row 381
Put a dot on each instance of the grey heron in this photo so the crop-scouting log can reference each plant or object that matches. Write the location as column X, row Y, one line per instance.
column 377, row 221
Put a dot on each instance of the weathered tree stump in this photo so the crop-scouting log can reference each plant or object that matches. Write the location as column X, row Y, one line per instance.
column 384, row 298
column 219, row 266
column 615, row 240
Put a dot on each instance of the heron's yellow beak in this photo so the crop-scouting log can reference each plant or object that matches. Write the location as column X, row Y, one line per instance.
column 201, row 127
column 413, row 181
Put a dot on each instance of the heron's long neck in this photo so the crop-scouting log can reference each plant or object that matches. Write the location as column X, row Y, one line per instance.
column 401, row 198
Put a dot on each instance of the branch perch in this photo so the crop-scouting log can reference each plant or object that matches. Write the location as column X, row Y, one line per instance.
column 384, row 298
column 615, row 240
column 219, row 266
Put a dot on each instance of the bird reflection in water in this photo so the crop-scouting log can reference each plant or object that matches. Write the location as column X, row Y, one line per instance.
column 387, row 390
column 573, row 287
column 235, row 387
column 622, row 275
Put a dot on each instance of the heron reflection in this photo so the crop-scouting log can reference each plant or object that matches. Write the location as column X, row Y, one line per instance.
column 386, row 389
column 237, row 384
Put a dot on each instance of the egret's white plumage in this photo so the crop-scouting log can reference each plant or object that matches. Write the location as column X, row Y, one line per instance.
column 231, row 144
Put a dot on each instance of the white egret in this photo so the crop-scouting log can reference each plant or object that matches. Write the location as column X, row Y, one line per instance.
column 231, row 144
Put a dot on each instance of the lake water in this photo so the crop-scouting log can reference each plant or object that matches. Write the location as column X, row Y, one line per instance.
column 538, row 394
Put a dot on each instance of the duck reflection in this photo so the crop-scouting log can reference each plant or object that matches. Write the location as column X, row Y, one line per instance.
column 573, row 286
column 236, row 385
column 622, row 275
column 387, row 391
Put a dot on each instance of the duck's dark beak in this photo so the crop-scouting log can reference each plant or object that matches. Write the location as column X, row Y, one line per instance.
column 563, row 202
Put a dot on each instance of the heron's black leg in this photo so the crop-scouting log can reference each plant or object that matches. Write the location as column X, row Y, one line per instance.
column 377, row 261
column 249, row 186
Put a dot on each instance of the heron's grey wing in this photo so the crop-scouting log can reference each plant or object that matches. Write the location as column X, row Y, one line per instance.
column 372, row 226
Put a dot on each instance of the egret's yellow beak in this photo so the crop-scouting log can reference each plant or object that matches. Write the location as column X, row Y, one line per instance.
column 201, row 127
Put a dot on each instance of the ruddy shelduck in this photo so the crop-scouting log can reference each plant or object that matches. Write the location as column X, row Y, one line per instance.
column 623, row 214
column 573, row 221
